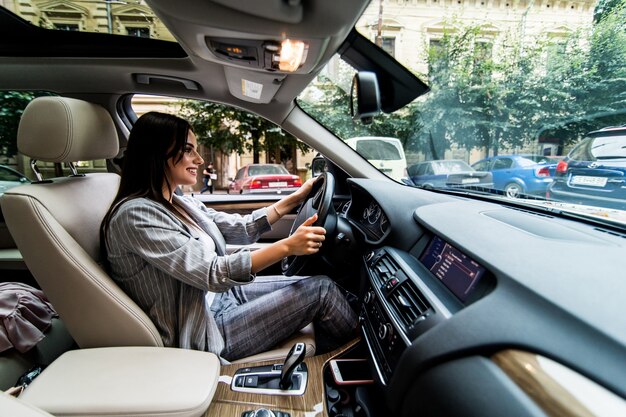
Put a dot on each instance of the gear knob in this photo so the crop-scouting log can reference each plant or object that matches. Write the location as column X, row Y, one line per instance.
column 294, row 358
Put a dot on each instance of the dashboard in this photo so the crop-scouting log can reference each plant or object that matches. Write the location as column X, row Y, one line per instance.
column 453, row 288
column 372, row 221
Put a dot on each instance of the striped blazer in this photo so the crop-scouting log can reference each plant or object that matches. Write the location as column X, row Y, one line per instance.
column 168, row 267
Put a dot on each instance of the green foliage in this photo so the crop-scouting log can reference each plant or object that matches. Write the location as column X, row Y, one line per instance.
column 546, row 88
column 605, row 8
column 329, row 104
column 231, row 130
column 12, row 104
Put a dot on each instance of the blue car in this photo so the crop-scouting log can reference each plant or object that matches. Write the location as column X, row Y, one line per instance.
column 594, row 172
column 449, row 173
column 519, row 174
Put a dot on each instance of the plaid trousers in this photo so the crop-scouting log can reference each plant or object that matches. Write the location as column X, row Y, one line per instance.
column 253, row 318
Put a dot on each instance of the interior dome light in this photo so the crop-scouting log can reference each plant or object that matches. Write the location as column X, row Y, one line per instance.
column 292, row 55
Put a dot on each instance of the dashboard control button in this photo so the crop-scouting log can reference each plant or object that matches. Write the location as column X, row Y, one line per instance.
column 384, row 330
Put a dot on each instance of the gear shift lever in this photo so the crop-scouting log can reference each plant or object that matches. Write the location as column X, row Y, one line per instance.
column 293, row 359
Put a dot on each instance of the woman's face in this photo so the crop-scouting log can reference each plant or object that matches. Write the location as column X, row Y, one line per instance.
column 184, row 172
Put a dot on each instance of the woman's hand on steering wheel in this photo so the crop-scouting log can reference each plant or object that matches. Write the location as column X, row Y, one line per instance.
column 316, row 209
column 307, row 239
column 303, row 192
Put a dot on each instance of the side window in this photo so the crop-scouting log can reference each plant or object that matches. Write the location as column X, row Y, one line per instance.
column 7, row 175
column 502, row 163
column 12, row 105
column 237, row 143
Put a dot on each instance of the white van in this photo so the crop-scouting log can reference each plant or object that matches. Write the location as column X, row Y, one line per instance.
column 384, row 153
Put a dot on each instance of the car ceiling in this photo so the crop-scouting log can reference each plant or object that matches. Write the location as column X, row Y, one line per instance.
column 125, row 64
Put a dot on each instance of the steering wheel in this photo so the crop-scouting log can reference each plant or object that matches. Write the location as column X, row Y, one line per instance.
column 320, row 201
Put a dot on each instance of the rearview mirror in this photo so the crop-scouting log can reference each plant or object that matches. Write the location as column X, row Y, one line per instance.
column 364, row 97
column 318, row 166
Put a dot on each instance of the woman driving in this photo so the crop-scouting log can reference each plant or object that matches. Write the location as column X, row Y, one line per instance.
column 167, row 252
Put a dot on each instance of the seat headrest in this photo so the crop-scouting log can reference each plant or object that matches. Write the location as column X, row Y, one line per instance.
column 61, row 129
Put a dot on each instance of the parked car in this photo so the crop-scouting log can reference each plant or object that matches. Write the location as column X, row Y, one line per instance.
column 449, row 173
column 264, row 178
column 594, row 172
column 10, row 178
column 384, row 153
column 519, row 174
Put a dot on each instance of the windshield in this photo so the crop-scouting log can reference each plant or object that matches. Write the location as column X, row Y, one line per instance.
column 527, row 81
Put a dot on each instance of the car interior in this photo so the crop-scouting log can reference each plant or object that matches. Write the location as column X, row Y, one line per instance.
column 468, row 305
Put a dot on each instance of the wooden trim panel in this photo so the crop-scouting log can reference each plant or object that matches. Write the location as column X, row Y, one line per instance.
column 558, row 390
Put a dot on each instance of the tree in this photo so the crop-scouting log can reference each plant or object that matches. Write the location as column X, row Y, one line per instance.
column 12, row 104
column 531, row 88
column 228, row 129
column 605, row 8
column 328, row 103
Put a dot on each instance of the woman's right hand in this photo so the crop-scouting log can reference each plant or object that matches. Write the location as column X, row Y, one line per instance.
column 307, row 239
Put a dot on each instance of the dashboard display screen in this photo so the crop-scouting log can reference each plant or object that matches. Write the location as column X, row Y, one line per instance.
column 457, row 271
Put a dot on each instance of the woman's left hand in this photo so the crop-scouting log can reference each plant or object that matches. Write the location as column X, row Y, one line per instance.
column 300, row 195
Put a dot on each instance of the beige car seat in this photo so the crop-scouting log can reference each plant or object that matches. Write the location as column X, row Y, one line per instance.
column 55, row 223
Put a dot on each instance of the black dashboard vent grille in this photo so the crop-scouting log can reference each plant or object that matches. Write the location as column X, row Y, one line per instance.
column 408, row 304
column 383, row 268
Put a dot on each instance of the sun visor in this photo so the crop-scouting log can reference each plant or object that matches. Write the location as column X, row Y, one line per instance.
column 252, row 86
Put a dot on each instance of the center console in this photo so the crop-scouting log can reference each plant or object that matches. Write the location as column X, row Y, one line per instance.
column 288, row 378
column 406, row 296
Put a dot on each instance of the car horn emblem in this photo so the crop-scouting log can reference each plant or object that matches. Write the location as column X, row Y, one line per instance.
column 593, row 165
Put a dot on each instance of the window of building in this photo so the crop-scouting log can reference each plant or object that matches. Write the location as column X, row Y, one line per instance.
column 70, row 27
column 556, row 52
column 138, row 32
column 435, row 52
column 388, row 43
column 483, row 52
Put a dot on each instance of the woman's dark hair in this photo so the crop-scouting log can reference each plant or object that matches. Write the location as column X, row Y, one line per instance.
column 154, row 139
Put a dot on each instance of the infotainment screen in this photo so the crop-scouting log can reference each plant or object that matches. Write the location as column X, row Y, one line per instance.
column 457, row 271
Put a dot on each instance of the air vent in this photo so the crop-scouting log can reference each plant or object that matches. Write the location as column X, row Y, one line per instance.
column 408, row 304
column 383, row 268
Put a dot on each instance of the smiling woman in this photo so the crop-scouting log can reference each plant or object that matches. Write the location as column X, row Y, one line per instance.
column 151, row 235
